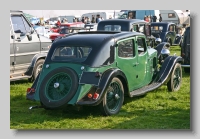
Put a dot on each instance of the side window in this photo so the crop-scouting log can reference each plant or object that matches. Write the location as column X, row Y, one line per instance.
column 171, row 28
column 135, row 28
column 18, row 24
column 27, row 26
column 141, row 45
column 125, row 49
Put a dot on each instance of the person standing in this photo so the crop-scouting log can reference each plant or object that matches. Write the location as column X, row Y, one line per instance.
column 93, row 19
column 160, row 18
column 98, row 18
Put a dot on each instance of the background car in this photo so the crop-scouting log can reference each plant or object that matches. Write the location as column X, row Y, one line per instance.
column 167, row 32
column 185, row 50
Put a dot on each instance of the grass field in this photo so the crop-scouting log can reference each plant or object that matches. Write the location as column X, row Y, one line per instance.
column 158, row 109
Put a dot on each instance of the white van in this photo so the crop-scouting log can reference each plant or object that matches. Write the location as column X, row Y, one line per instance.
column 139, row 14
column 104, row 15
column 175, row 16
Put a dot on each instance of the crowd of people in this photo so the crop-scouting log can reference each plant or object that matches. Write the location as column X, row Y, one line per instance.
column 94, row 19
column 152, row 18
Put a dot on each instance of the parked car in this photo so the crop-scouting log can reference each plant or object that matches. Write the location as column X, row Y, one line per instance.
column 131, row 25
column 185, row 50
column 64, row 31
column 43, row 31
column 101, row 68
column 167, row 32
column 28, row 49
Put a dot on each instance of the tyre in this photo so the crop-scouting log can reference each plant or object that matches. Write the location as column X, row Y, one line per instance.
column 113, row 98
column 37, row 69
column 58, row 88
column 175, row 80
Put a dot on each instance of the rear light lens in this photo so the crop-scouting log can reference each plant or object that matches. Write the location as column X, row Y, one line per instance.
column 30, row 90
column 89, row 95
column 95, row 96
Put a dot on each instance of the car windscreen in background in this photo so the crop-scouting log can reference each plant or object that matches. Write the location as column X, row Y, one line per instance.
column 71, row 53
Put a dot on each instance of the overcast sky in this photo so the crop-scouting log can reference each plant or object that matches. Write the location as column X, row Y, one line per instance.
column 53, row 13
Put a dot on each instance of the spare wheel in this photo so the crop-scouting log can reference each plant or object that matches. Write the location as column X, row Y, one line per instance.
column 58, row 87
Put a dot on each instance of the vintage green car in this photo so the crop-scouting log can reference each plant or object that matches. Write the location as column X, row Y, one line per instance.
column 101, row 68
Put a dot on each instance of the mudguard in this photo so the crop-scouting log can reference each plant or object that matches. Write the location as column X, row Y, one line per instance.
column 31, row 93
column 167, row 67
column 160, row 46
column 29, row 72
column 178, row 40
column 104, row 83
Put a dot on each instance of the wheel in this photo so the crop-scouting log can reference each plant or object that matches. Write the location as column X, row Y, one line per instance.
column 113, row 98
column 37, row 69
column 175, row 80
column 187, row 70
column 58, row 88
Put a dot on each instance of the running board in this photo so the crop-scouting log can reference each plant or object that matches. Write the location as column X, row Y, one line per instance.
column 145, row 89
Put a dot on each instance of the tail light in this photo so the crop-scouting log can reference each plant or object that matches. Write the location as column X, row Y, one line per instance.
column 95, row 96
column 30, row 90
column 89, row 95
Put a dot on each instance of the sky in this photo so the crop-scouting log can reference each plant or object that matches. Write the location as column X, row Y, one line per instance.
column 54, row 13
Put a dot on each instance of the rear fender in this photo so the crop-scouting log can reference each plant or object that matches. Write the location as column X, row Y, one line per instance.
column 104, row 84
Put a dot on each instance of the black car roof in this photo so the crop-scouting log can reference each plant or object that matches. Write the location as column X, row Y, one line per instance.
column 100, row 41
column 94, row 38
column 162, row 23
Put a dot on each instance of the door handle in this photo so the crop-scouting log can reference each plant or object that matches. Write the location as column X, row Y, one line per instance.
column 135, row 64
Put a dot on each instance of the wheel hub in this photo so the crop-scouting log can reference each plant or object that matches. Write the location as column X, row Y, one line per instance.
column 117, row 96
column 56, row 85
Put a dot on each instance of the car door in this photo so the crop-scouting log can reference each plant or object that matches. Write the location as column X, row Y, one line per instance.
column 141, row 53
column 12, row 48
column 127, row 61
column 25, row 49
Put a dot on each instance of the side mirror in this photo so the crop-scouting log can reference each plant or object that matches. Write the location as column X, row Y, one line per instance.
column 29, row 36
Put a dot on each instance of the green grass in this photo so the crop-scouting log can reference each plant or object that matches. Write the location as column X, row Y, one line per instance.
column 158, row 109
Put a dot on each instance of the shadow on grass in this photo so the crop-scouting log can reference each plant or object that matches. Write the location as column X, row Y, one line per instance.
column 174, row 118
column 20, row 82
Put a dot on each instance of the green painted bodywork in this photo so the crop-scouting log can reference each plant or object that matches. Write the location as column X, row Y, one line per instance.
column 137, row 75
column 82, row 89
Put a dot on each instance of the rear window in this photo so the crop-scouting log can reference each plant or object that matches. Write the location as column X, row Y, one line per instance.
column 112, row 28
column 71, row 53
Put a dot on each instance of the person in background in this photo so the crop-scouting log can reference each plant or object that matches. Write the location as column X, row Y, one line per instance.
column 160, row 18
column 154, row 18
column 145, row 18
column 83, row 19
column 58, row 23
column 93, row 19
column 149, row 18
column 102, row 18
column 65, row 20
column 98, row 18
column 88, row 20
